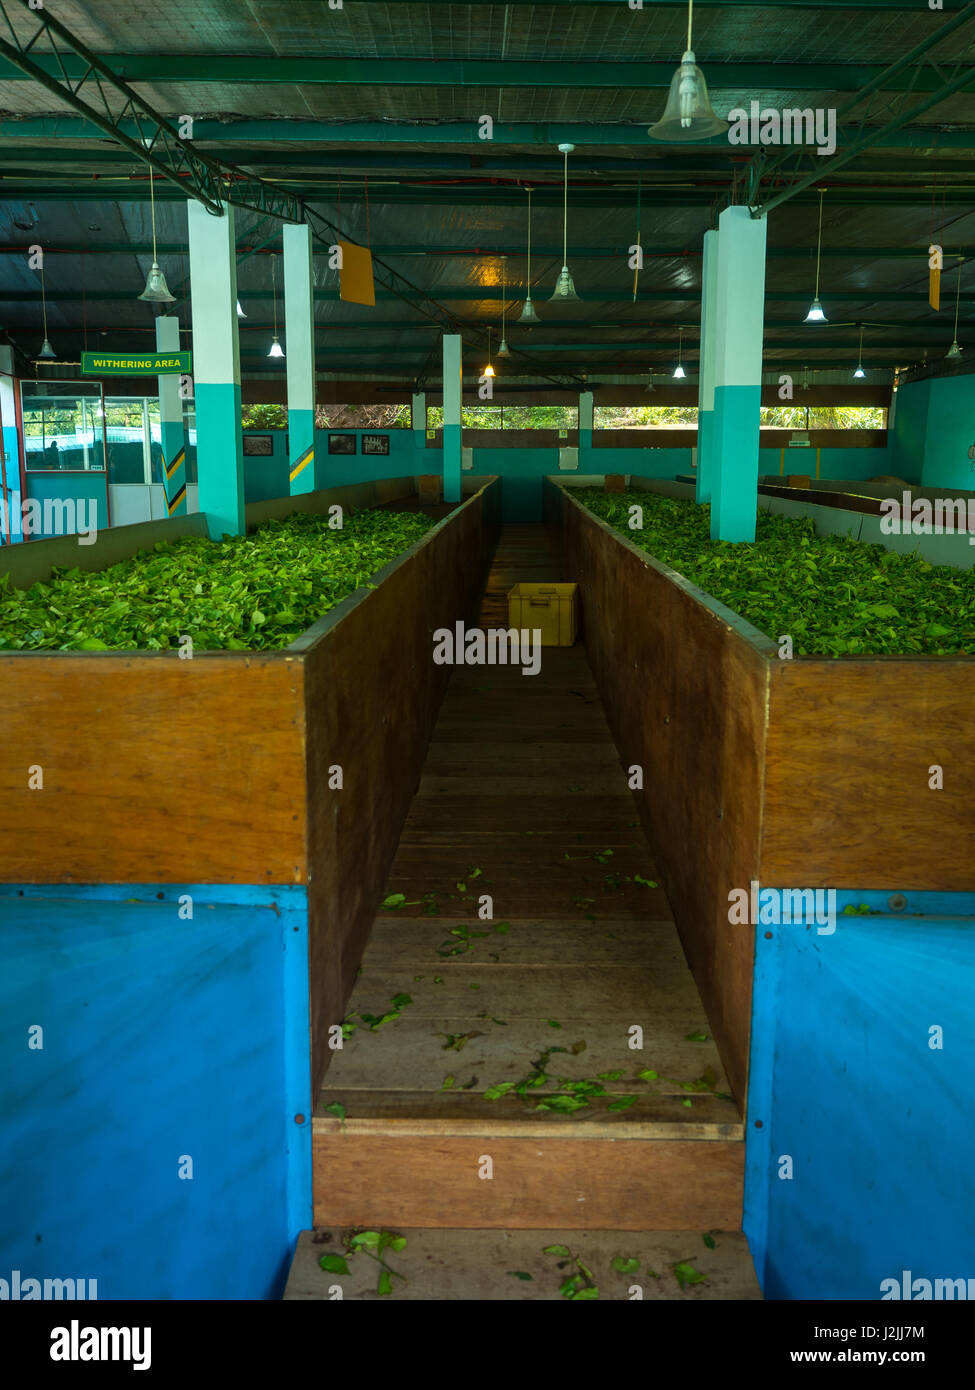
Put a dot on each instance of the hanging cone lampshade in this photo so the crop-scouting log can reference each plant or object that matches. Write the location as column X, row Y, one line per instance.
column 503, row 345
column 240, row 312
column 859, row 371
column 47, row 352
column 565, row 289
column 156, row 290
column 816, row 314
column 528, row 314
column 275, row 350
column 679, row 373
column 688, row 114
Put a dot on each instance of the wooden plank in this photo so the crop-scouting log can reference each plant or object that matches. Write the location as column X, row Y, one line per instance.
column 655, row 647
column 415, row 1055
column 476, row 1266
column 854, row 809
column 145, row 760
column 466, row 1114
column 536, row 1184
column 624, row 994
column 414, row 941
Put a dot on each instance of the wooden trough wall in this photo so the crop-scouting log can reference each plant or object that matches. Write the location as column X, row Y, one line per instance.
column 805, row 773
column 214, row 770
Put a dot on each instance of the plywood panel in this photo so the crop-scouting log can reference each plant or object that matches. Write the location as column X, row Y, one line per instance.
column 850, row 746
column 685, row 693
column 156, row 770
column 537, row 1183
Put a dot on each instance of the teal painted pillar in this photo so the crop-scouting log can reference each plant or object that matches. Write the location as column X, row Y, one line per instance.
column 453, row 382
column 585, row 429
column 705, row 390
column 737, row 374
column 418, row 420
column 299, row 338
column 171, row 421
column 216, row 369
column 11, row 513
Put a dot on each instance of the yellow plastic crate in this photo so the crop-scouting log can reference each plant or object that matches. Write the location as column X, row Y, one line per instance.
column 554, row 608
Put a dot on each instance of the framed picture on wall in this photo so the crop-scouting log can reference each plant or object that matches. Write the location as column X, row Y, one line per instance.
column 341, row 443
column 258, row 446
column 375, row 443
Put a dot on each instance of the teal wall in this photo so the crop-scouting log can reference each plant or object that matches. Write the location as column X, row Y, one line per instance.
column 833, row 463
column 934, row 427
column 523, row 469
column 64, row 485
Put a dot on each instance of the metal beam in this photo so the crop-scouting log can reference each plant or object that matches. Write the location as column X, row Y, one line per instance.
column 918, row 78
column 806, row 253
column 71, row 66
column 323, row 70
column 344, row 133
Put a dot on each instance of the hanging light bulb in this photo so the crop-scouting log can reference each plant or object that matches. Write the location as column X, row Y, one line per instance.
column 859, row 371
column 276, row 350
column 240, row 312
column 679, row 373
column 955, row 350
column 816, row 314
column 503, row 345
column 46, row 351
column 528, row 314
column 688, row 114
column 488, row 370
column 156, row 290
column 565, row 289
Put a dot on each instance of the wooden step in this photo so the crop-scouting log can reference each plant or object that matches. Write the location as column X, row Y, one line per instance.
column 491, row 1265
column 382, row 1178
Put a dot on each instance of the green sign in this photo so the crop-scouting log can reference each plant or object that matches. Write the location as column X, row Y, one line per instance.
column 135, row 363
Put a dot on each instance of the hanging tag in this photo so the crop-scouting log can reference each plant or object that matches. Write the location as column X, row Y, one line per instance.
column 355, row 278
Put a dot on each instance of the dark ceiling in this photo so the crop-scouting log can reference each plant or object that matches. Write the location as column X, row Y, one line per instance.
column 370, row 114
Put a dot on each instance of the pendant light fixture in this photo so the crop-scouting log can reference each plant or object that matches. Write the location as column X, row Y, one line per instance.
column 240, row 312
column 488, row 370
column 565, row 289
column 276, row 350
column 503, row 347
column 679, row 373
column 46, row 351
column 650, row 385
column 955, row 350
column 816, row 314
column 528, row 314
column 156, row 290
column 859, row 371
column 688, row 114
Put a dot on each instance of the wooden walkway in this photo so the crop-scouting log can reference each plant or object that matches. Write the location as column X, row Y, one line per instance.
column 523, row 799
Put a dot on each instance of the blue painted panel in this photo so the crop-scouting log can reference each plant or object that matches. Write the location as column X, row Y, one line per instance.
column 876, row 1121
column 162, row 1038
column 69, row 488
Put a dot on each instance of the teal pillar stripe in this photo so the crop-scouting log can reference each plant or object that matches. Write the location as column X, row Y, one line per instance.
column 705, row 457
column 13, row 520
column 451, row 462
column 221, row 454
column 735, row 491
column 174, row 467
column 301, row 451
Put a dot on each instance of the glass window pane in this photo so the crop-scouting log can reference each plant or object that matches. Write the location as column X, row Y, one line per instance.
column 62, row 426
column 123, row 427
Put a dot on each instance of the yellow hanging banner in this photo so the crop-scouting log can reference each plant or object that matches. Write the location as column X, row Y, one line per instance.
column 355, row 278
column 934, row 287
